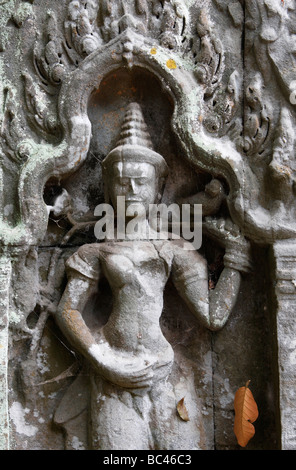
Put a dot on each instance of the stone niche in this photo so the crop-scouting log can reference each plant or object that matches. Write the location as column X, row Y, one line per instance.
column 204, row 90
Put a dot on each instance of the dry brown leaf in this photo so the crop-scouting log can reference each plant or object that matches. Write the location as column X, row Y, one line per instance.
column 246, row 412
column 182, row 410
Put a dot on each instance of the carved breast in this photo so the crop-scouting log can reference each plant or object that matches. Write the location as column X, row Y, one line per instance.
column 135, row 264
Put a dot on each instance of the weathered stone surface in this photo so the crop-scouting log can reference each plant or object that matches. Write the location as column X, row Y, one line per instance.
column 215, row 84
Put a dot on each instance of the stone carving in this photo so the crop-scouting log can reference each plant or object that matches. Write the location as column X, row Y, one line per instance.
column 130, row 358
column 272, row 26
column 282, row 165
column 216, row 79
column 17, row 13
column 258, row 117
column 208, row 56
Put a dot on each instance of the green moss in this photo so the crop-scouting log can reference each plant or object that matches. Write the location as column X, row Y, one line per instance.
column 15, row 10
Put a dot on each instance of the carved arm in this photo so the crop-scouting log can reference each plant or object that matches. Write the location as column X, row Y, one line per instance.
column 69, row 318
column 213, row 307
column 121, row 368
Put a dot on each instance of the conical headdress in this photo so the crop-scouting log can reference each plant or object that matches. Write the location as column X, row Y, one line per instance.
column 134, row 143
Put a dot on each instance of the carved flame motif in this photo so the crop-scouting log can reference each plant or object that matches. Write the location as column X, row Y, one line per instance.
column 165, row 20
column 90, row 25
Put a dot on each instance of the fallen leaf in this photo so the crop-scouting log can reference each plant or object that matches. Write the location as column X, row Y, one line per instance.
column 182, row 410
column 246, row 412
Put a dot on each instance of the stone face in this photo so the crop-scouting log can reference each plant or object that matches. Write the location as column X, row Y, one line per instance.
column 214, row 83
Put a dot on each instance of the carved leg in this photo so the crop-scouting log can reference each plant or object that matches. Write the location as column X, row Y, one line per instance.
column 169, row 430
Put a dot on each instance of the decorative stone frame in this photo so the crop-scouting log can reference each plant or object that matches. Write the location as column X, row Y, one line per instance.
column 217, row 155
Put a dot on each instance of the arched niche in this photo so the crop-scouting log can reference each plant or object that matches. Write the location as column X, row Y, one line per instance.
column 105, row 110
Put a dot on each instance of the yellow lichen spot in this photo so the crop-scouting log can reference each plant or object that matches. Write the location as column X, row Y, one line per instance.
column 153, row 50
column 171, row 64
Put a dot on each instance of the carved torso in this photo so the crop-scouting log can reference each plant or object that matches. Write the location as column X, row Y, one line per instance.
column 137, row 272
column 137, row 276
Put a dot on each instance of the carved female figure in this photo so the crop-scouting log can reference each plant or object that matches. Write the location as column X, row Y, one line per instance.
column 129, row 356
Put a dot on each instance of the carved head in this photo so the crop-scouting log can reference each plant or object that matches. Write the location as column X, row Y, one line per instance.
column 133, row 169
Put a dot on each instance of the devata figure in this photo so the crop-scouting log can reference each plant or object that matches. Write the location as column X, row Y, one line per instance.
column 132, row 401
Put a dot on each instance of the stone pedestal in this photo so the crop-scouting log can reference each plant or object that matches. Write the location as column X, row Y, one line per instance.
column 284, row 253
column 5, row 285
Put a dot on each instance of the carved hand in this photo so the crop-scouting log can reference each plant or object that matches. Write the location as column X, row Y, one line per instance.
column 128, row 371
column 228, row 234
